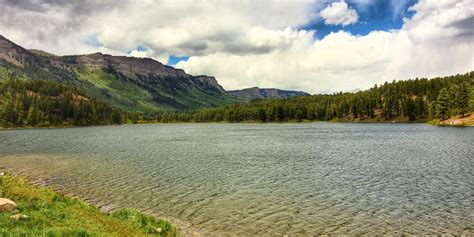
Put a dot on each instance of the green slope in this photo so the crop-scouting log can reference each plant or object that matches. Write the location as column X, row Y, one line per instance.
column 125, row 94
column 133, row 84
column 147, row 98
column 105, row 86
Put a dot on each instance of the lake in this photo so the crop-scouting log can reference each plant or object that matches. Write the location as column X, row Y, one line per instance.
column 263, row 179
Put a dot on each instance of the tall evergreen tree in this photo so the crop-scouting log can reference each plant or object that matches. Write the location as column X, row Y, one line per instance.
column 32, row 118
column 411, row 109
column 442, row 104
column 462, row 99
column 19, row 108
column 8, row 113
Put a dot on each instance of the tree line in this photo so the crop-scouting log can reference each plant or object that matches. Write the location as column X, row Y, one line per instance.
column 47, row 103
column 410, row 100
column 38, row 103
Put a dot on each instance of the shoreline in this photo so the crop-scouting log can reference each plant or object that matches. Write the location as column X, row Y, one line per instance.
column 40, row 210
column 180, row 228
column 466, row 121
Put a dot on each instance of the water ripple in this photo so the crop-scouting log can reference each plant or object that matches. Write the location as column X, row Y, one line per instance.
column 263, row 179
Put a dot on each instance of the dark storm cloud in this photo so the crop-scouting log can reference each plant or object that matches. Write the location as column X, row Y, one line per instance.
column 42, row 5
column 56, row 15
column 47, row 23
column 464, row 24
column 465, row 27
column 77, row 7
column 247, row 49
column 194, row 46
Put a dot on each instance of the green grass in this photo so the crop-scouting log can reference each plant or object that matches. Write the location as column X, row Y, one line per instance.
column 198, row 99
column 53, row 214
column 123, row 95
column 129, row 96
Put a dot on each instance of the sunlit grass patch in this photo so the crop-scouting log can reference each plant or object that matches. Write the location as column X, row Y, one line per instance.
column 49, row 213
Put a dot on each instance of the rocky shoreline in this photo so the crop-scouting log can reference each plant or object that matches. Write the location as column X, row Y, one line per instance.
column 467, row 120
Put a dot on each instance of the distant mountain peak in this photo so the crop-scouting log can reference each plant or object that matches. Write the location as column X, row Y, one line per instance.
column 2, row 38
column 13, row 53
column 42, row 53
column 253, row 93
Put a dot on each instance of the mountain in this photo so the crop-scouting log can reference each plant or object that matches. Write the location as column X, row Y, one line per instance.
column 134, row 84
column 265, row 93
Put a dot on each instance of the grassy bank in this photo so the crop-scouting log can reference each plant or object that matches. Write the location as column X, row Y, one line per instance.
column 48, row 213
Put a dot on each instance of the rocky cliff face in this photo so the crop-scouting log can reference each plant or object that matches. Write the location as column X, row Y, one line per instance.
column 128, row 82
column 9, row 52
column 128, row 66
column 14, row 54
column 139, row 69
column 265, row 93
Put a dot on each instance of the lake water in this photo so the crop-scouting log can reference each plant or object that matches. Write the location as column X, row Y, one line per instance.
column 263, row 179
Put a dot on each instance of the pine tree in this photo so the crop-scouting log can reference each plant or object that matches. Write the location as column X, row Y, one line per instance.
column 262, row 115
column 8, row 112
column 116, row 117
column 453, row 100
column 411, row 109
column 280, row 114
column 420, row 106
column 19, row 108
column 32, row 118
column 462, row 100
column 442, row 104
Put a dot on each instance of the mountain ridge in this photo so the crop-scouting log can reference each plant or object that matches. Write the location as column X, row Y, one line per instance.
column 253, row 93
column 130, row 83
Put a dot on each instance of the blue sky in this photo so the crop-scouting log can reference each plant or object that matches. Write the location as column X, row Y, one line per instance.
column 173, row 59
column 373, row 15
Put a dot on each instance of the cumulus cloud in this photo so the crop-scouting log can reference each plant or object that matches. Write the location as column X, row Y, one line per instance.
column 435, row 41
column 56, row 26
column 189, row 28
column 138, row 53
column 184, row 27
column 253, row 43
column 339, row 13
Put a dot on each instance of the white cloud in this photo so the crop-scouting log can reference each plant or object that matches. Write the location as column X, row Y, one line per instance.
column 189, row 28
column 138, row 54
column 253, row 43
column 184, row 27
column 436, row 41
column 339, row 13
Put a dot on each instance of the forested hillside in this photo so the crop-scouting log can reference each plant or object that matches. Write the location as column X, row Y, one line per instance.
column 128, row 83
column 410, row 100
column 46, row 103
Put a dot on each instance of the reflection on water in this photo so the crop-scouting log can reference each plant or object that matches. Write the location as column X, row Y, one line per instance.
column 255, row 179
